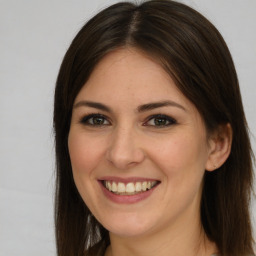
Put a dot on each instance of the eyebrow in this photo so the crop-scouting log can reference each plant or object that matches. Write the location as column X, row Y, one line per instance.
column 153, row 105
column 141, row 108
column 92, row 105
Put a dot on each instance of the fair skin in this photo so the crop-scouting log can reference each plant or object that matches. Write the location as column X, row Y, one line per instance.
column 118, row 134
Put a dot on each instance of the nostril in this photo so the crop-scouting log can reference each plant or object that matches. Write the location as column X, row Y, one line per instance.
column 125, row 158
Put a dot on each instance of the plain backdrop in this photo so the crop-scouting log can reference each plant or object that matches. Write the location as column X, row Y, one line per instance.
column 34, row 35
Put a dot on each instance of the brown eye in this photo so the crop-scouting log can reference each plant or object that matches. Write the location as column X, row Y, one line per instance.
column 160, row 121
column 95, row 120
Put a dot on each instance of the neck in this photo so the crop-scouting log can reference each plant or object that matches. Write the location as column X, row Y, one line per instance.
column 182, row 239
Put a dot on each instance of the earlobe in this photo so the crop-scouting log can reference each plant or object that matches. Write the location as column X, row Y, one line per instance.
column 219, row 147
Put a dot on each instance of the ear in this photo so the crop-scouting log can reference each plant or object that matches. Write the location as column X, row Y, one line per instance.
column 219, row 147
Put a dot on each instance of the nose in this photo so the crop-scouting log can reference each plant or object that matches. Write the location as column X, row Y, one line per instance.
column 125, row 150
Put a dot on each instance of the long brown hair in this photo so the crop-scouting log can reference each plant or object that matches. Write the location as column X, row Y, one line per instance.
column 194, row 54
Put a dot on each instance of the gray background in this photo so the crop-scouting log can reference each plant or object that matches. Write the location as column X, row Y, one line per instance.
column 34, row 36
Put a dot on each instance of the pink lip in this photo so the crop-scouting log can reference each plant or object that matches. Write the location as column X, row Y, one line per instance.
column 129, row 199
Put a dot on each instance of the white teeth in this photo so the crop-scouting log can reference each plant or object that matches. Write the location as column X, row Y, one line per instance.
column 144, row 186
column 108, row 185
column 138, row 186
column 153, row 183
column 114, row 187
column 120, row 187
column 129, row 188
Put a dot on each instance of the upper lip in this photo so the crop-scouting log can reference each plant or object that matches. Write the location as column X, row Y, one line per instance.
column 126, row 180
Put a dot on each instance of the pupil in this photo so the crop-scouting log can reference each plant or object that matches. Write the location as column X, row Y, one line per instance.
column 98, row 120
column 160, row 121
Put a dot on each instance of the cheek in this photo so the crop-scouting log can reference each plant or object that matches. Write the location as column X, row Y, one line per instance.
column 180, row 150
column 84, row 154
column 181, row 158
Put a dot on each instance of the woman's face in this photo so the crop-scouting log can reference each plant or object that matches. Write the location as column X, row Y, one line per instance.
column 138, row 147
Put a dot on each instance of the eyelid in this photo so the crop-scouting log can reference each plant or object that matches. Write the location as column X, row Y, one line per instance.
column 171, row 120
column 85, row 118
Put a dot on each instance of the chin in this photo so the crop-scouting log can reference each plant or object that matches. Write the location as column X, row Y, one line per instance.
column 128, row 226
column 128, row 231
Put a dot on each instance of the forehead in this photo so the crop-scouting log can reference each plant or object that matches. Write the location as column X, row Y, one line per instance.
column 130, row 73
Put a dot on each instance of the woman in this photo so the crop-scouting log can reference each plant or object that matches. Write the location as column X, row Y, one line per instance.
column 152, row 147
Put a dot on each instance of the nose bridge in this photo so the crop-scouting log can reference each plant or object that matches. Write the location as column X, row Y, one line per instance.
column 124, row 149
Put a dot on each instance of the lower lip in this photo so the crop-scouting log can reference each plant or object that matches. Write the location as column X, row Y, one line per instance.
column 126, row 199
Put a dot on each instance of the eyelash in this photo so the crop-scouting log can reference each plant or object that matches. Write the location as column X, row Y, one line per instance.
column 85, row 120
column 169, row 120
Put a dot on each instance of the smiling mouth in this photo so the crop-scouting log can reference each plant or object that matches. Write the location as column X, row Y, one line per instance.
column 131, row 188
